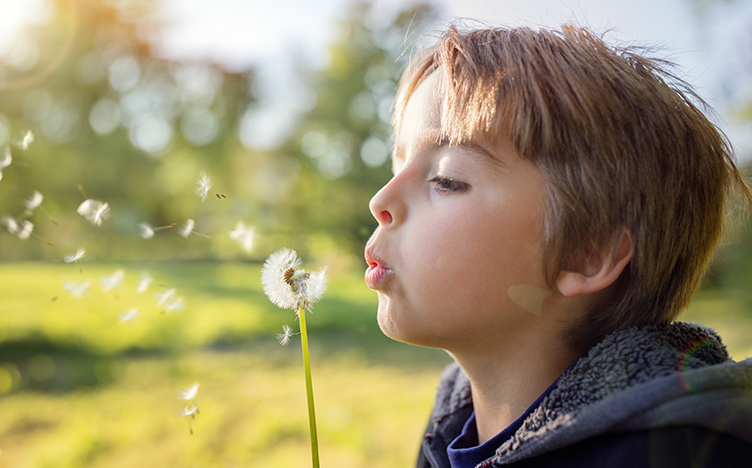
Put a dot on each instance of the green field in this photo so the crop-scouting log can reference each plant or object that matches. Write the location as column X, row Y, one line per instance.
column 80, row 389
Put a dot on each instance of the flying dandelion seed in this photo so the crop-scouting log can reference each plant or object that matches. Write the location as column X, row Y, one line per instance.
column 244, row 236
column 145, row 231
column 110, row 282
column 189, row 393
column 129, row 315
column 77, row 289
column 80, row 253
column 287, row 286
column 10, row 224
column 204, row 184
column 187, row 229
column 5, row 161
column 174, row 305
column 27, row 140
column 284, row 337
column 143, row 283
column 26, row 229
column 164, row 297
column 94, row 211
column 191, row 411
column 35, row 200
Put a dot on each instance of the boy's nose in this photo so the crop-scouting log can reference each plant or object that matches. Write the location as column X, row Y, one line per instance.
column 379, row 208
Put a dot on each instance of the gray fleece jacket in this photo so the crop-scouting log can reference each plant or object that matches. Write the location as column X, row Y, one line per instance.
column 642, row 378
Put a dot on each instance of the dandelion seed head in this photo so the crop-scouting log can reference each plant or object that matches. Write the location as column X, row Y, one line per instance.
column 129, row 315
column 26, row 228
column 204, row 184
column 35, row 200
column 189, row 393
column 94, row 211
column 80, row 253
column 284, row 337
column 187, row 229
column 145, row 231
column 289, row 287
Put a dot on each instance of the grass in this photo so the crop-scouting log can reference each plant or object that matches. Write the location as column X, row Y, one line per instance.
column 80, row 389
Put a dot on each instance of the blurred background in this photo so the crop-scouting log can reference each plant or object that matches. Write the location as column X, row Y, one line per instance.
column 285, row 107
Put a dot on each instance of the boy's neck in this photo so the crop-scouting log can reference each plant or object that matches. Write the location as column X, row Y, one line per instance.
column 505, row 382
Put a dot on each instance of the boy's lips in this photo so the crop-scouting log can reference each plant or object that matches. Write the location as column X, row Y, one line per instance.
column 377, row 270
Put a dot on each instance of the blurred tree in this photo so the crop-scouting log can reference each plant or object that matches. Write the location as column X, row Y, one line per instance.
column 344, row 142
column 131, row 128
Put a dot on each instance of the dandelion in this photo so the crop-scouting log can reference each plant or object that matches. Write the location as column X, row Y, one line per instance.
column 284, row 337
column 164, row 297
column 77, row 289
column 129, row 315
column 34, row 202
column 27, row 140
column 80, row 253
column 94, row 211
column 143, row 283
column 110, row 282
column 189, row 393
column 287, row 286
column 243, row 235
column 290, row 287
column 204, row 184
column 5, row 161
column 25, row 230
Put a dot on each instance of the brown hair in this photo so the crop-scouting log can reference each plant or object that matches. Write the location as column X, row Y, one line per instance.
column 620, row 142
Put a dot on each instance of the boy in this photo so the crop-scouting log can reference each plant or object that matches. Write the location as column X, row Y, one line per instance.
column 554, row 205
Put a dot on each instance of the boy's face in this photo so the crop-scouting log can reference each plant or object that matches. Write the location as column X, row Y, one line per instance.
column 458, row 227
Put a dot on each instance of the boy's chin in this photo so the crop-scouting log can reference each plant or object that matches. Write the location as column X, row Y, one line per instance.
column 393, row 328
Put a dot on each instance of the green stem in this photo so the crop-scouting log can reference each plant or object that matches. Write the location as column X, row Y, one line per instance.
column 309, row 389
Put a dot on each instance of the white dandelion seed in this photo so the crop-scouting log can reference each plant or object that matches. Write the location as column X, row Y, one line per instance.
column 289, row 287
column 164, row 297
column 243, row 235
column 27, row 140
column 174, row 305
column 204, row 184
column 110, row 282
column 145, row 231
column 191, row 411
column 35, row 200
column 189, row 393
column 143, row 283
column 80, row 253
column 77, row 289
column 10, row 224
column 94, row 211
column 284, row 337
column 187, row 229
column 26, row 229
column 129, row 315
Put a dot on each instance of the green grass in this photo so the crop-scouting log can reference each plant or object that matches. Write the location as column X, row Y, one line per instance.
column 80, row 389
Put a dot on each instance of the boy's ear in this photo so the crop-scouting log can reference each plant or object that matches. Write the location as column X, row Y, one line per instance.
column 597, row 272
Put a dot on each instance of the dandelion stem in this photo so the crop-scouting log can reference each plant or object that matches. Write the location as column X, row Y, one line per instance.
column 309, row 389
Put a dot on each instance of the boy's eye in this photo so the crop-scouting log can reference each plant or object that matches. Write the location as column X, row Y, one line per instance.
column 445, row 185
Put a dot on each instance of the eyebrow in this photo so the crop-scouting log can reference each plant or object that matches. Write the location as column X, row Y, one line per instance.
column 435, row 140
